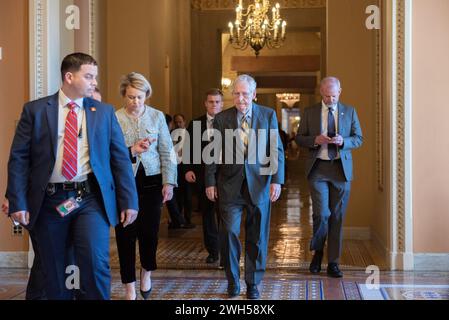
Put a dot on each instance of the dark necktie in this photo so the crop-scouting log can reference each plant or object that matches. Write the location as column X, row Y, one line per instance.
column 331, row 132
column 210, row 127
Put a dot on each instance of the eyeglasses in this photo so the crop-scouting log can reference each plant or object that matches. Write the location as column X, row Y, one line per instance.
column 244, row 94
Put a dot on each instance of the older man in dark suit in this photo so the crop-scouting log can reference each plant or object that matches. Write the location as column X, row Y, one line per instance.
column 69, row 176
column 330, row 131
column 249, row 176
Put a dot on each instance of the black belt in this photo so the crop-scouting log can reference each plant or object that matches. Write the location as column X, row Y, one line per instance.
column 329, row 160
column 86, row 186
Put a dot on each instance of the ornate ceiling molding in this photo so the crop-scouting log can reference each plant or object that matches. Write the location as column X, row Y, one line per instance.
column 231, row 4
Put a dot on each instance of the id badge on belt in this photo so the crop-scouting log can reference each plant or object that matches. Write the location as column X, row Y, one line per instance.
column 68, row 206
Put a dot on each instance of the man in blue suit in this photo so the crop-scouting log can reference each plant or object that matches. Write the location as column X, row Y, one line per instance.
column 69, row 174
column 245, row 179
column 330, row 131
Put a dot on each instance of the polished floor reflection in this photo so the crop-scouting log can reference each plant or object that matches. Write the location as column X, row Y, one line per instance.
column 290, row 233
column 184, row 275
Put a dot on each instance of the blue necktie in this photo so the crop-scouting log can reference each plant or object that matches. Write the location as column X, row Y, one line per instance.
column 331, row 132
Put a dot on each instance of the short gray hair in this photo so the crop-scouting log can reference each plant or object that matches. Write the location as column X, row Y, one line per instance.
column 330, row 81
column 136, row 81
column 248, row 79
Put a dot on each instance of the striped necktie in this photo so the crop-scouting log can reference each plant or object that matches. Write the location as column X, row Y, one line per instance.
column 70, row 155
column 244, row 134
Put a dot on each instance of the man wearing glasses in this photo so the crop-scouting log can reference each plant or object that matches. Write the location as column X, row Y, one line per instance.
column 244, row 180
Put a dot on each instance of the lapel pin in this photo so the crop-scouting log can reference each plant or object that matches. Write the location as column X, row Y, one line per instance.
column 93, row 109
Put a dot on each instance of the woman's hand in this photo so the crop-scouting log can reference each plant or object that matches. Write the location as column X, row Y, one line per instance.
column 141, row 146
column 167, row 192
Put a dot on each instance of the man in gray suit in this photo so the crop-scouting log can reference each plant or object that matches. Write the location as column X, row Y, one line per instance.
column 245, row 180
column 330, row 131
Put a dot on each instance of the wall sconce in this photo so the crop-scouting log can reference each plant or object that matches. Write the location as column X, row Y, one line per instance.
column 225, row 83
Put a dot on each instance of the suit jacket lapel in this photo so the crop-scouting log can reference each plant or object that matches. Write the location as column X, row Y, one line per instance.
column 203, row 130
column 255, row 117
column 203, row 124
column 52, row 120
column 91, row 120
column 318, row 118
column 341, row 117
column 234, row 122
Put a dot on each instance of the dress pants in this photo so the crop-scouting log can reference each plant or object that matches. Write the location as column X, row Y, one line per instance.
column 330, row 195
column 257, row 226
column 36, row 283
column 86, row 232
column 145, row 229
column 183, row 194
column 210, row 222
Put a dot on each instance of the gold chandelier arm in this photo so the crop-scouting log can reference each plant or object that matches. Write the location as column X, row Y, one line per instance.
column 258, row 25
column 249, row 10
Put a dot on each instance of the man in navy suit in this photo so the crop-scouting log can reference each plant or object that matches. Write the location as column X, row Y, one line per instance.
column 249, row 176
column 330, row 131
column 69, row 176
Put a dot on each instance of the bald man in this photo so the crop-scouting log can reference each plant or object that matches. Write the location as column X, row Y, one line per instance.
column 330, row 131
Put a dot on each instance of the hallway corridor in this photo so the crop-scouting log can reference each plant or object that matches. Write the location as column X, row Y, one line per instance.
column 184, row 275
column 290, row 233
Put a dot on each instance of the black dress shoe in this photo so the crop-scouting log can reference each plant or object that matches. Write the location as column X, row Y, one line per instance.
column 252, row 292
column 233, row 291
column 211, row 258
column 315, row 265
column 145, row 294
column 188, row 226
column 334, row 271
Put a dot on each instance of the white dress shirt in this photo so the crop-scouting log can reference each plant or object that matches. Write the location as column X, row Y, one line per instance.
column 83, row 144
column 210, row 126
column 323, row 153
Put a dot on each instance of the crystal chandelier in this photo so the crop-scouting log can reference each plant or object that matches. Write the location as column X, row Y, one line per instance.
column 289, row 98
column 255, row 27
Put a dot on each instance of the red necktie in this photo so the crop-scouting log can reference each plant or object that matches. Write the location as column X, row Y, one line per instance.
column 70, row 156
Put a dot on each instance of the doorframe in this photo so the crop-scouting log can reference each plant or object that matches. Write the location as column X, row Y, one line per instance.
column 399, row 73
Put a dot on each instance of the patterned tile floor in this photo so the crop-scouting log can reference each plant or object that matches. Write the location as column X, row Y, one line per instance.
column 183, row 274
column 284, row 285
